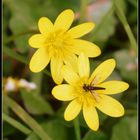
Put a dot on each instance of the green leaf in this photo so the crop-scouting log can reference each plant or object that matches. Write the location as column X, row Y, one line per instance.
column 16, row 124
column 5, row 109
column 20, row 112
column 10, row 52
column 134, row 2
column 56, row 130
column 121, row 15
column 8, row 129
column 6, row 14
column 62, row 4
column 32, row 136
column 122, row 4
column 21, row 21
column 126, row 63
column 35, row 104
column 91, row 135
column 126, row 129
column 7, row 63
column 105, row 28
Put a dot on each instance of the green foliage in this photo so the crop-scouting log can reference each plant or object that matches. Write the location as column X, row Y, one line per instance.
column 35, row 104
column 8, row 129
column 24, row 22
column 95, row 135
column 32, row 137
column 128, row 127
column 56, row 130
column 127, row 65
column 105, row 28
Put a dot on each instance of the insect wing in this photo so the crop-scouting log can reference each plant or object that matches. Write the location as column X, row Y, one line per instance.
column 95, row 95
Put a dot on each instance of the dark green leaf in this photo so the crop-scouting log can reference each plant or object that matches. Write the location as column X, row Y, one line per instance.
column 126, row 129
column 35, row 104
column 91, row 135
column 56, row 130
column 32, row 136
column 8, row 129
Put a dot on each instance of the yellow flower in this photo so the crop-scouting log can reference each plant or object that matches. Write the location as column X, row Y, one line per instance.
column 60, row 45
column 88, row 93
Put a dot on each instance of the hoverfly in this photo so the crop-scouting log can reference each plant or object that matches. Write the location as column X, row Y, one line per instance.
column 92, row 89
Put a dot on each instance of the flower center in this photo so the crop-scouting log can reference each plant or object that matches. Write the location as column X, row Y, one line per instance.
column 58, row 43
column 58, row 39
column 92, row 89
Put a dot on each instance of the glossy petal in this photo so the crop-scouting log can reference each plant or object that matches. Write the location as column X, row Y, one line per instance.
column 102, row 71
column 91, row 117
column 72, row 110
column 110, row 106
column 37, row 41
column 39, row 60
column 80, row 30
column 86, row 47
column 72, row 61
column 64, row 92
column 113, row 87
column 83, row 66
column 64, row 20
column 56, row 70
column 69, row 75
column 45, row 25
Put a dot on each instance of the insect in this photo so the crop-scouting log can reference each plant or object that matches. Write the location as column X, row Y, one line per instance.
column 92, row 89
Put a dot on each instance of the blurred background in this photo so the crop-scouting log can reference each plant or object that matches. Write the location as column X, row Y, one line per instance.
column 116, row 35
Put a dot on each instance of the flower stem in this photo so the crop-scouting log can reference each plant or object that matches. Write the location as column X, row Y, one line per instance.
column 13, row 54
column 83, row 7
column 77, row 129
column 127, row 28
column 18, row 57
column 11, row 38
column 26, row 117
column 16, row 124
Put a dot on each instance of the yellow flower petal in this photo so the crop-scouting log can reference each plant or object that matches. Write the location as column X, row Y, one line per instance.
column 69, row 75
column 72, row 61
column 91, row 117
column 83, row 66
column 88, row 48
column 64, row 92
column 80, row 30
column 102, row 71
column 72, row 110
column 45, row 25
column 110, row 106
column 64, row 20
column 113, row 87
column 56, row 70
column 39, row 60
column 37, row 41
